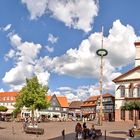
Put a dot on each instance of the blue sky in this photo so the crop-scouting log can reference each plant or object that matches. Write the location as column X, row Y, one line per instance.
column 57, row 41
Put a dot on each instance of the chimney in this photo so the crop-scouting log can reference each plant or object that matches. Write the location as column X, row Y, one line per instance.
column 137, row 56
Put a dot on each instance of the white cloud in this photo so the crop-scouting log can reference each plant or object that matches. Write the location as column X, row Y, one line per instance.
column 121, row 39
column 83, row 62
column 15, row 40
column 52, row 38
column 71, row 12
column 1, row 90
column 50, row 49
column 65, row 88
column 43, row 77
column 81, row 93
column 25, row 57
column 18, row 74
column 36, row 8
column 79, row 62
column 7, row 27
column 9, row 55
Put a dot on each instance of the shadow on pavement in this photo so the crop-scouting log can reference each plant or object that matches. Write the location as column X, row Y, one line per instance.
column 71, row 136
column 118, row 132
column 2, row 127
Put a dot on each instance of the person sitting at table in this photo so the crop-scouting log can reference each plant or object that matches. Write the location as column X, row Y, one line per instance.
column 85, row 131
column 92, row 132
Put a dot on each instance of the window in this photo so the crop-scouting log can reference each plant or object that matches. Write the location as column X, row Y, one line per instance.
column 64, row 109
column 131, row 88
column 131, row 115
column 57, row 108
column 130, row 92
column 138, row 91
column 122, row 90
column 50, row 108
column 122, row 114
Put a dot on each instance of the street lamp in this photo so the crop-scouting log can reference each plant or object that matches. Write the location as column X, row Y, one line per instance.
column 101, row 52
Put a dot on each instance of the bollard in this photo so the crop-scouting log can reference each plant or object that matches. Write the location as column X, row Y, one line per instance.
column 13, row 131
column 105, row 134
column 63, row 134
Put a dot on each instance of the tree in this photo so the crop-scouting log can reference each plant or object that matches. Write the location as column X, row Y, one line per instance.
column 32, row 96
column 3, row 108
column 132, row 105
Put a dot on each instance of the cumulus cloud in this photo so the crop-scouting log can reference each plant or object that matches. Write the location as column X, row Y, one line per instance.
column 71, row 12
column 83, row 61
column 25, row 56
column 43, row 77
column 36, row 8
column 121, row 39
column 79, row 62
column 80, row 93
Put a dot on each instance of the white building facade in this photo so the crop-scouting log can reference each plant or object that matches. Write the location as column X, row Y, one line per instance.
column 128, row 89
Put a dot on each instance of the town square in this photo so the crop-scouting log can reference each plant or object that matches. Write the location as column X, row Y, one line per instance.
column 14, row 131
column 70, row 70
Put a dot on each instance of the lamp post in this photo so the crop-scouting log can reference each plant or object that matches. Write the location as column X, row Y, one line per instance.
column 101, row 52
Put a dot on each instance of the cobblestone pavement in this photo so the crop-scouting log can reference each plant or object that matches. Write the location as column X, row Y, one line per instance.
column 14, row 131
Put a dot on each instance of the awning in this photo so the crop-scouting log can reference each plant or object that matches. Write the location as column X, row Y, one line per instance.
column 7, row 112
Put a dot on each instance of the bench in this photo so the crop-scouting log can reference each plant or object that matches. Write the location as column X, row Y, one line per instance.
column 34, row 130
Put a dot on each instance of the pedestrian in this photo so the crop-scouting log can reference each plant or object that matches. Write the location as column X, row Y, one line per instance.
column 78, row 130
column 63, row 134
column 84, row 125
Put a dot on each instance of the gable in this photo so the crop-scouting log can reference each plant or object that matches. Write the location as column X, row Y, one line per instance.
column 60, row 101
column 132, row 75
column 54, row 101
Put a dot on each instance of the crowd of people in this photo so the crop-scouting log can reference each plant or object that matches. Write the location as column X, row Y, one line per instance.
column 82, row 131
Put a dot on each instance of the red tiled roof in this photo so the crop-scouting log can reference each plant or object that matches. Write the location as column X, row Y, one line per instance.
column 8, row 96
column 107, row 95
column 86, row 104
column 75, row 105
column 92, row 100
column 61, row 99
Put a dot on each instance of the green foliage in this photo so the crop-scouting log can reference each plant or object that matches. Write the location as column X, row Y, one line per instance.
column 15, row 112
column 3, row 108
column 32, row 95
column 131, row 105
